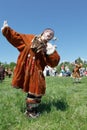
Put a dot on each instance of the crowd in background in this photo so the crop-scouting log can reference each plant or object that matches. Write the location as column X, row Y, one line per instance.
column 5, row 72
column 48, row 71
column 64, row 71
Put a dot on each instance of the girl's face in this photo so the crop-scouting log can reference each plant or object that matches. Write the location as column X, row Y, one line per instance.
column 47, row 35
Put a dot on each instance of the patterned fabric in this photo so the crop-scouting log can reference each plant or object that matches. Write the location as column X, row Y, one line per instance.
column 31, row 98
column 32, row 102
column 38, row 46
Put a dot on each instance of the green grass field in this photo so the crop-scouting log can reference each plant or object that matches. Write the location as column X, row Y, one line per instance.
column 64, row 107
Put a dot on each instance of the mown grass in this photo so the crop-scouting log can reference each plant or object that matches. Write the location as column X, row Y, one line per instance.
column 64, row 107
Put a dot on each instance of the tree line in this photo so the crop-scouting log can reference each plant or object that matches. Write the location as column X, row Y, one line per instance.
column 10, row 65
column 65, row 63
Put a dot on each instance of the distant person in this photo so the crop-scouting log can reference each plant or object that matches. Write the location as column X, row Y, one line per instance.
column 67, row 71
column 35, row 53
column 47, row 71
column 2, row 72
column 62, row 72
column 6, row 71
column 9, row 72
column 76, row 71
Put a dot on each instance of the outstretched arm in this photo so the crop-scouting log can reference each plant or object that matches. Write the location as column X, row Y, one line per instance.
column 12, row 36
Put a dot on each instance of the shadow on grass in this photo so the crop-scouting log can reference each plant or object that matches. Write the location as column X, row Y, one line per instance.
column 59, row 105
column 47, row 106
column 77, row 82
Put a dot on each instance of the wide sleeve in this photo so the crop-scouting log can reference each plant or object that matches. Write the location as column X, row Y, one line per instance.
column 14, row 38
column 52, row 56
column 53, row 59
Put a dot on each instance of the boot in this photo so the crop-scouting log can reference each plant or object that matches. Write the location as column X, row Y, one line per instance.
column 31, row 111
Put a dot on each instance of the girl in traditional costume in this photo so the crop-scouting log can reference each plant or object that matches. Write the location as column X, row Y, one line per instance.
column 76, row 71
column 35, row 52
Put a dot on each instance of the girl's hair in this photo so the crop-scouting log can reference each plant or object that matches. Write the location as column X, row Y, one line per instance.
column 48, row 29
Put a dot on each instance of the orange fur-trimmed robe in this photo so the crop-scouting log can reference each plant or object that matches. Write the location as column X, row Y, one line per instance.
column 28, row 74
